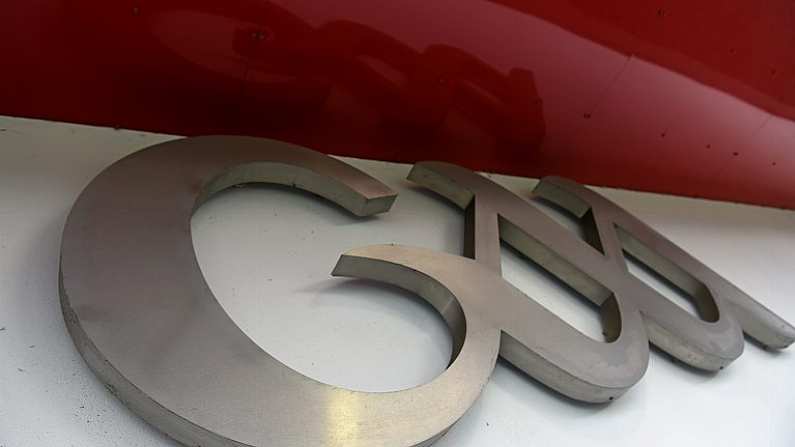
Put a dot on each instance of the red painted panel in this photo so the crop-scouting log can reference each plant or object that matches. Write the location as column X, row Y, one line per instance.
column 670, row 96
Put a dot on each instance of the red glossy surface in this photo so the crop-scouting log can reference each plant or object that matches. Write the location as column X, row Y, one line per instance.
column 690, row 98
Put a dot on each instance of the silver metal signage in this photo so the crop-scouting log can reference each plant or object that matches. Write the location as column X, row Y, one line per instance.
column 142, row 316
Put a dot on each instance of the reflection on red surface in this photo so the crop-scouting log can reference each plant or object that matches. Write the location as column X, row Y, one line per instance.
column 671, row 97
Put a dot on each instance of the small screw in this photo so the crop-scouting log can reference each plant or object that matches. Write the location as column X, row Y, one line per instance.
column 260, row 35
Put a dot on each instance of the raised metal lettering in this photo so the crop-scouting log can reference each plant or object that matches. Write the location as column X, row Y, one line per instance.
column 141, row 314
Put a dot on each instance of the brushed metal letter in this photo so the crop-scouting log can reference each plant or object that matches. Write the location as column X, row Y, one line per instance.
column 140, row 313
column 138, row 308
column 598, row 269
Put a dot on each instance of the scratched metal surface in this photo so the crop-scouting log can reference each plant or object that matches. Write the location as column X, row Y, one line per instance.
column 361, row 335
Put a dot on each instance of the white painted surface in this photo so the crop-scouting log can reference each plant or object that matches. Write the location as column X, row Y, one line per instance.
column 267, row 253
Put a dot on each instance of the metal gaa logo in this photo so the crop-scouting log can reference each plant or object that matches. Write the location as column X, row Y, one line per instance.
column 140, row 312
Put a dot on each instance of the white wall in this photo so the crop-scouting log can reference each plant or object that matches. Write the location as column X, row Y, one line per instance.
column 267, row 253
